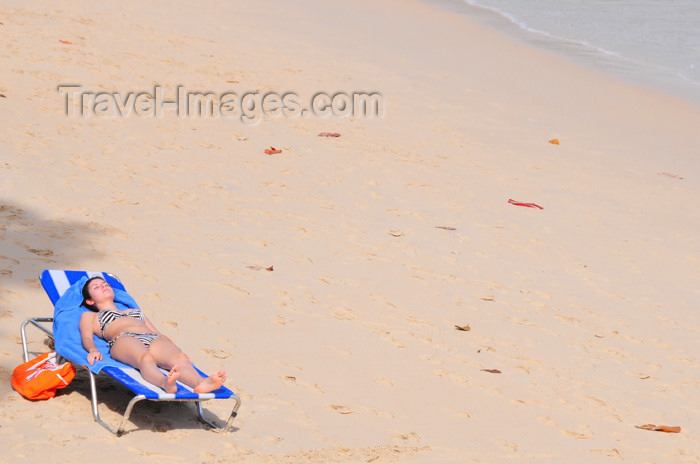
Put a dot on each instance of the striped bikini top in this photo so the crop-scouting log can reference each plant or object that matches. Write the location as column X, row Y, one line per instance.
column 107, row 316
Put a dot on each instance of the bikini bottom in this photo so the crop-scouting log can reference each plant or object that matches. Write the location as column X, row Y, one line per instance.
column 145, row 338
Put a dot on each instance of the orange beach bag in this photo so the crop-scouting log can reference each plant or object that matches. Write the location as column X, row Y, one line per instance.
column 39, row 378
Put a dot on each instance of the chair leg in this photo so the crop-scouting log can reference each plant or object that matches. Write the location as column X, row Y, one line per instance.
column 96, row 413
column 127, row 413
column 226, row 426
column 23, row 331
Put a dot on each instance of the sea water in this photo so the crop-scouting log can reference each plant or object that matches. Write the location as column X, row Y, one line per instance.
column 651, row 42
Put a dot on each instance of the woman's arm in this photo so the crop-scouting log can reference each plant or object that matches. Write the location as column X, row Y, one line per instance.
column 86, row 324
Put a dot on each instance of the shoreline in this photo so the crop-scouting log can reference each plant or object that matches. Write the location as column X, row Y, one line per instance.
column 652, row 77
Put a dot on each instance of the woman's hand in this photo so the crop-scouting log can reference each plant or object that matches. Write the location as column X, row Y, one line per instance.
column 94, row 355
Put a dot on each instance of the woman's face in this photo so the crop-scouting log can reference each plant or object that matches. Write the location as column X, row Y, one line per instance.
column 100, row 291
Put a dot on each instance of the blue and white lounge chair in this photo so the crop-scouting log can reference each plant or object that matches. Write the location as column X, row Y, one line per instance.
column 64, row 290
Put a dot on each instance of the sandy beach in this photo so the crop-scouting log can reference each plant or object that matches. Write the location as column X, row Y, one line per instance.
column 583, row 312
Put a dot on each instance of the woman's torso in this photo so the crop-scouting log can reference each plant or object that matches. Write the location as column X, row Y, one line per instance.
column 109, row 323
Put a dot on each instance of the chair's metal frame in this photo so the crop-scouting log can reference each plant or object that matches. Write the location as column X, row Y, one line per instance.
column 37, row 322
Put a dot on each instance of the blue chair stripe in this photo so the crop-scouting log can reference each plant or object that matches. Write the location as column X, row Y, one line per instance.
column 47, row 282
column 56, row 282
column 128, row 378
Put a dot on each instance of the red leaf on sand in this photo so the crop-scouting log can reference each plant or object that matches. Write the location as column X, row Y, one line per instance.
column 260, row 268
column 527, row 205
column 554, row 141
column 65, row 42
column 492, row 371
column 659, row 428
column 668, row 174
column 272, row 151
column 329, row 134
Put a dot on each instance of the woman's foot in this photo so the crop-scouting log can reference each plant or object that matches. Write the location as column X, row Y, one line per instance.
column 211, row 383
column 173, row 375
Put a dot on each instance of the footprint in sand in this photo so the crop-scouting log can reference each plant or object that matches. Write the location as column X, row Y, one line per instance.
column 547, row 421
column 315, row 388
column 386, row 335
column 233, row 287
column 383, row 381
column 341, row 409
column 10, row 293
column 40, row 252
column 576, row 435
column 217, row 353
column 344, row 314
column 508, row 445
column 289, row 366
column 571, row 320
column 338, row 350
column 410, row 436
column 160, row 427
column 417, row 321
column 292, row 380
column 380, row 413
column 452, row 376
column 613, row 453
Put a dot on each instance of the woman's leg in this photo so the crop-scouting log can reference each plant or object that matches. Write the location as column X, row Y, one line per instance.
column 131, row 351
column 168, row 356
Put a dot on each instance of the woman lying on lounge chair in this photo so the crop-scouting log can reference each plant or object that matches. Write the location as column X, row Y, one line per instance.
column 134, row 340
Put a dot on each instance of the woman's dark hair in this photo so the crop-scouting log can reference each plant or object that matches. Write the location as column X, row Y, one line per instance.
column 86, row 294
